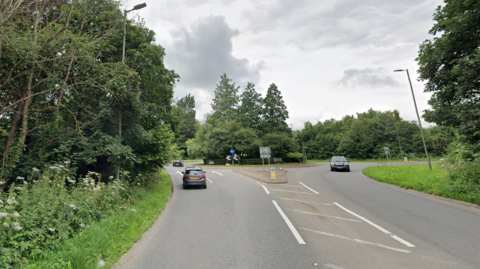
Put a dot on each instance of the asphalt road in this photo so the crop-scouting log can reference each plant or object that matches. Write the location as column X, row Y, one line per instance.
column 320, row 219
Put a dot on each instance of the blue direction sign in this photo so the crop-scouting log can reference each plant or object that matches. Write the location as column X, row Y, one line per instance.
column 232, row 151
column 272, row 169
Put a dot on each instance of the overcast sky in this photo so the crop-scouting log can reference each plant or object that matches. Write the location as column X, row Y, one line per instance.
column 328, row 58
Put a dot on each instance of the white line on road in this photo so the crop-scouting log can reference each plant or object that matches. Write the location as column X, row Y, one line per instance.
column 209, row 180
column 291, row 191
column 307, row 202
column 265, row 188
column 289, row 224
column 312, row 190
column 406, row 243
column 332, row 266
column 357, row 240
column 284, row 185
column 318, row 214
column 217, row 173
column 179, row 173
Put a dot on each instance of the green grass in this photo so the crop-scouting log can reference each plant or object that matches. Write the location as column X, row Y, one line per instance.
column 377, row 160
column 110, row 238
column 420, row 178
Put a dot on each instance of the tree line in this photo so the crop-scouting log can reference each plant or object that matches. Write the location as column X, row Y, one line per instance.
column 66, row 96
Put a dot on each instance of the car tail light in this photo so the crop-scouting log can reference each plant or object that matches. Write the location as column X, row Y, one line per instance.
column 186, row 176
column 202, row 176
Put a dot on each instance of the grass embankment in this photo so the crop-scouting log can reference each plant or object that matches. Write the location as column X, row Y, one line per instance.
column 420, row 178
column 110, row 238
column 377, row 160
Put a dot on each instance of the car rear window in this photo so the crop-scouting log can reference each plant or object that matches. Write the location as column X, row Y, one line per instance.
column 195, row 172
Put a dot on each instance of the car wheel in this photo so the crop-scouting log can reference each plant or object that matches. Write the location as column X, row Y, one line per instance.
column 348, row 170
column 205, row 186
column 184, row 187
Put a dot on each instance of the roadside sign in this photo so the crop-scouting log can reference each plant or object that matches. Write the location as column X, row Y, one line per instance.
column 264, row 152
column 232, row 151
column 211, row 162
column 272, row 173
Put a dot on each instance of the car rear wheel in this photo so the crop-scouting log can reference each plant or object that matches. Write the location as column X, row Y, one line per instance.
column 205, row 186
column 184, row 187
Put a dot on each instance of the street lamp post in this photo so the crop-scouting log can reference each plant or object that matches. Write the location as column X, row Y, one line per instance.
column 137, row 7
column 418, row 116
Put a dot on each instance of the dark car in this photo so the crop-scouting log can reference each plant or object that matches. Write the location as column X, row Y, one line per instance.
column 339, row 163
column 178, row 163
column 194, row 176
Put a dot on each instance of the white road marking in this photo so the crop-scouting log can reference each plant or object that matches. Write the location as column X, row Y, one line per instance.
column 332, row 266
column 285, row 185
column 357, row 240
column 318, row 214
column 307, row 202
column 406, row 243
column 291, row 191
column 217, row 173
column 265, row 188
column 310, row 189
column 179, row 173
column 289, row 224
column 209, row 180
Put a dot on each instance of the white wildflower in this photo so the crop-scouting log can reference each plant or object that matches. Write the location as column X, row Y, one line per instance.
column 11, row 200
column 72, row 206
column 6, row 224
column 3, row 215
column 17, row 226
column 97, row 188
column 110, row 177
column 61, row 166
column 35, row 170
column 54, row 168
column 134, row 210
column 35, row 181
column 25, row 183
column 138, row 184
column 68, row 178
column 92, row 183
column 1, row 183
column 15, row 214
column 1, row 203
column 113, row 193
column 82, row 225
column 114, row 187
column 66, row 162
column 51, row 230
column 18, row 188
column 20, row 178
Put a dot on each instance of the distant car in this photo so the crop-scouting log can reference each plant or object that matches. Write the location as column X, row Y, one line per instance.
column 339, row 163
column 194, row 176
column 178, row 163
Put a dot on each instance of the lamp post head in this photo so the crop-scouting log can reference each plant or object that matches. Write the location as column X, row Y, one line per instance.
column 139, row 6
column 398, row 70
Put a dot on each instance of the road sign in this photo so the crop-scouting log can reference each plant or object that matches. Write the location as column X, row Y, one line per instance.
column 265, row 152
column 272, row 173
column 232, row 151
column 387, row 150
column 229, row 157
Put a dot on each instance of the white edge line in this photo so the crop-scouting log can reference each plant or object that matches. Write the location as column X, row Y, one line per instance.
column 209, row 180
column 406, row 243
column 289, row 224
column 265, row 188
column 358, row 240
column 312, row 190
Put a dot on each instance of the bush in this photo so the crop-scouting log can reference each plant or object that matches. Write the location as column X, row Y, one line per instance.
column 36, row 216
column 242, row 161
column 294, row 157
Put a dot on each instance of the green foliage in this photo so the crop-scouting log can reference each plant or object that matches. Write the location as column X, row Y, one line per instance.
column 294, row 157
column 463, row 162
column 279, row 144
column 250, row 111
column 275, row 112
column 450, row 64
column 38, row 215
column 365, row 136
column 226, row 100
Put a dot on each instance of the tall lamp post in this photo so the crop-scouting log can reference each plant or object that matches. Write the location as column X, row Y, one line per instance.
column 418, row 116
column 137, row 7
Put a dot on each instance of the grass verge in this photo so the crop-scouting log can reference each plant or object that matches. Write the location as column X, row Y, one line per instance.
column 420, row 178
column 110, row 238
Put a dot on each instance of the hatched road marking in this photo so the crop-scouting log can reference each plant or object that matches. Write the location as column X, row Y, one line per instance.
column 357, row 240
column 307, row 202
column 318, row 214
column 310, row 189
column 406, row 243
column 209, row 180
column 291, row 191
column 289, row 224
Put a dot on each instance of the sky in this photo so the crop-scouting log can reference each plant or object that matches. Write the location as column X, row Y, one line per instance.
column 329, row 59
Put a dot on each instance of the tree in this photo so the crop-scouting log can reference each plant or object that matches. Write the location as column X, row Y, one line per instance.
column 250, row 111
column 450, row 64
column 275, row 112
column 226, row 99
column 187, row 124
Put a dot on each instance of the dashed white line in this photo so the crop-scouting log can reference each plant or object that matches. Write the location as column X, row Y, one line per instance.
column 357, row 240
column 291, row 191
column 179, row 173
column 217, row 173
column 307, row 202
column 406, row 243
column 310, row 189
column 209, row 180
column 322, row 215
column 289, row 224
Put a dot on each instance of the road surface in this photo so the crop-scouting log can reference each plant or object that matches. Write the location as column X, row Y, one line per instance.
column 320, row 219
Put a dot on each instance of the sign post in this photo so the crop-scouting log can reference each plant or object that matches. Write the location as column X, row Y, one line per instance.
column 387, row 152
column 265, row 153
column 272, row 173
